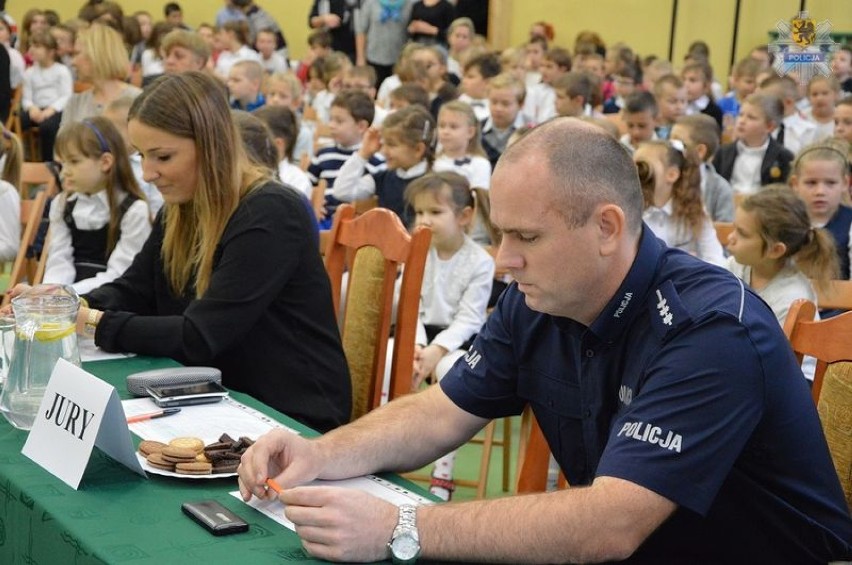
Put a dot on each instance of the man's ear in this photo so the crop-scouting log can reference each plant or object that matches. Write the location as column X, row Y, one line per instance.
column 612, row 225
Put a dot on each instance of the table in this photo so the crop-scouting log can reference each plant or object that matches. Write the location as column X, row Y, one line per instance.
column 120, row 517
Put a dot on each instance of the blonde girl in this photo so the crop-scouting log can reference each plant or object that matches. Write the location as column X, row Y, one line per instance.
column 671, row 186
column 775, row 250
column 34, row 22
column 821, row 178
column 461, row 151
column 460, row 36
column 185, row 295
column 101, row 220
column 456, row 286
column 823, row 94
column 406, row 140
column 10, row 200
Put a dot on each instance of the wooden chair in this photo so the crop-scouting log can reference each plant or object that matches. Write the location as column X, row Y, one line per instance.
column 378, row 245
column 533, row 457
column 13, row 122
column 489, row 441
column 723, row 230
column 838, row 295
column 830, row 341
column 34, row 176
column 24, row 268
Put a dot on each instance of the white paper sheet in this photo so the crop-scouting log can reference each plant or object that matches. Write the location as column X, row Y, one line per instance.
column 91, row 352
column 371, row 484
column 204, row 421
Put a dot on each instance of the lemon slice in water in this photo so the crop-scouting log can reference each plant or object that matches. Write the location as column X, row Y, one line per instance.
column 52, row 331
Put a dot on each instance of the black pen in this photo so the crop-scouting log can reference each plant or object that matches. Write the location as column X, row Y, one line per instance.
column 152, row 415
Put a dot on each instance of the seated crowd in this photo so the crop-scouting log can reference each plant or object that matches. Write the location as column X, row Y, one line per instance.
column 197, row 168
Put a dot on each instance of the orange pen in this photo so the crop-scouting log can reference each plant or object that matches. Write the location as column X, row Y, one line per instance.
column 274, row 486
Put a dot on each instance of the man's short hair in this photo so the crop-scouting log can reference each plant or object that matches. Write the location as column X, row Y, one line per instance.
column 188, row 40
column 588, row 167
column 703, row 130
column 359, row 105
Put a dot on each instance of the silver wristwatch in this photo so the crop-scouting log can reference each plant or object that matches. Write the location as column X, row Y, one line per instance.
column 404, row 544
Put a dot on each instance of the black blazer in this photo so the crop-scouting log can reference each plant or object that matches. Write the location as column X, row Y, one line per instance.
column 774, row 168
column 714, row 111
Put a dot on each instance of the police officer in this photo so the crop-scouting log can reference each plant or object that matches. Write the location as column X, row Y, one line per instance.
column 664, row 387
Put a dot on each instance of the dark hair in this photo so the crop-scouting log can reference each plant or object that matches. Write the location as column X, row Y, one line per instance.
column 642, row 101
column 282, row 123
column 576, row 83
column 411, row 93
column 240, row 28
column 171, row 7
column 359, row 105
column 257, row 140
column 320, row 38
column 413, row 125
column 488, row 65
column 698, row 49
column 783, row 218
column 454, row 189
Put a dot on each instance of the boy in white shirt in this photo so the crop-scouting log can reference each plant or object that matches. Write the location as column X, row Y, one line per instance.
column 272, row 60
column 540, row 103
column 474, row 86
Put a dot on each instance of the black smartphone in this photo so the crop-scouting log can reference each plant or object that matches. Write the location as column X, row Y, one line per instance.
column 167, row 396
column 214, row 517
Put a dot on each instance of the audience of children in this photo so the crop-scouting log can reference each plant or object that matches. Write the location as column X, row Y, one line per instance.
column 540, row 101
column 244, row 85
column 48, row 87
column 574, row 93
column 151, row 60
column 456, row 286
column 285, row 89
column 407, row 141
column 755, row 159
column 821, row 178
column 697, row 77
column 535, row 50
column 671, row 186
column 624, row 84
column 775, row 250
column 101, row 220
column 234, row 39
column 363, row 78
column 351, row 114
column 700, row 133
column 266, row 44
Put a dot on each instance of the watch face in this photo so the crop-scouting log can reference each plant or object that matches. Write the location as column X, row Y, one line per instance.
column 405, row 547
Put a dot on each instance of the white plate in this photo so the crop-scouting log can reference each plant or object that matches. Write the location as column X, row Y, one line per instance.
column 148, row 468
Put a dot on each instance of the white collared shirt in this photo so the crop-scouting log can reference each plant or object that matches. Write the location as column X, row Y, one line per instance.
column 293, row 176
column 676, row 235
column 92, row 213
column 697, row 105
column 745, row 177
column 352, row 184
column 798, row 132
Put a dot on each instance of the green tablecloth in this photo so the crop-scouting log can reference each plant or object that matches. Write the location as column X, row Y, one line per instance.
column 119, row 517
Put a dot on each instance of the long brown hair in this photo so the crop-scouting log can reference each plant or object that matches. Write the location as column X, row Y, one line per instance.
column 193, row 105
column 687, row 208
column 91, row 138
column 782, row 217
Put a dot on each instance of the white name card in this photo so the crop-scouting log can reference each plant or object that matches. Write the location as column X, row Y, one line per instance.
column 78, row 411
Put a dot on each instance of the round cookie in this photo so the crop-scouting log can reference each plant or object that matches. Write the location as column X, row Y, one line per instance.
column 192, row 443
column 178, row 454
column 193, row 468
column 156, row 460
column 147, row 447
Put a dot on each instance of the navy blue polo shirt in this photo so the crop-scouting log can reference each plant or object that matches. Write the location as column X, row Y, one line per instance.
column 685, row 385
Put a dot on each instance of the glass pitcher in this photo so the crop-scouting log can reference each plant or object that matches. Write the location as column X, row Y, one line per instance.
column 45, row 331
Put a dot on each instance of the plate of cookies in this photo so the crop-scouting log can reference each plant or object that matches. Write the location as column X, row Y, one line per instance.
column 191, row 458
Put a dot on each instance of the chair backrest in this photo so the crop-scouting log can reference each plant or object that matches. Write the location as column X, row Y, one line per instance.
column 835, row 414
column 723, row 230
column 829, row 341
column 34, row 175
column 801, row 310
column 837, row 295
column 24, row 268
column 372, row 247
column 533, row 457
